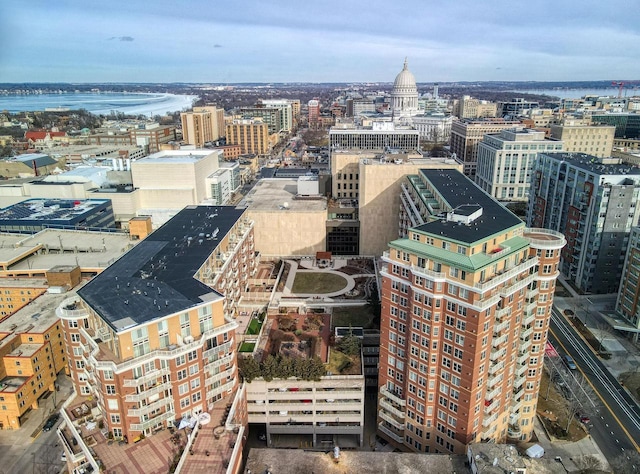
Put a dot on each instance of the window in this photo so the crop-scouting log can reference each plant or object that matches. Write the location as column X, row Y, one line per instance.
column 115, row 419
column 163, row 334
column 140, row 340
column 180, row 360
column 110, row 389
column 205, row 319
column 182, row 374
column 185, row 325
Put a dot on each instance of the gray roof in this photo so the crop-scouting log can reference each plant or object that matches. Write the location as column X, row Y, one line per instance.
column 459, row 192
column 156, row 277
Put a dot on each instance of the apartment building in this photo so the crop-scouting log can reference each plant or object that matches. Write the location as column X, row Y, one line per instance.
column 16, row 294
column 217, row 119
column 467, row 134
column 289, row 112
column 515, row 107
column 628, row 302
column 325, row 412
column 313, row 112
column 466, row 302
column 150, row 338
column 197, row 128
column 596, row 140
column 505, row 161
column 593, row 202
column 32, row 353
column 251, row 135
column 269, row 115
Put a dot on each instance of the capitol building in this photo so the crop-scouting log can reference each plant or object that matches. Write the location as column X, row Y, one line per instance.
column 433, row 125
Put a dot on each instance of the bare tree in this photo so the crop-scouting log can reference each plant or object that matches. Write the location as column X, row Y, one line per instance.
column 579, row 396
column 589, row 463
column 626, row 463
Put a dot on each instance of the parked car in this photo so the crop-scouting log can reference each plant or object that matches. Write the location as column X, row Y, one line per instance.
column 568, row 360
column 51, row 422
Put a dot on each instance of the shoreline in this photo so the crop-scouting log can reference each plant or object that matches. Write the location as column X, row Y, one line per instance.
column 100, row 103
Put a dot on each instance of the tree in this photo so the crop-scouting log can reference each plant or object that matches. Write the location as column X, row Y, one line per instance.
column 626, row 463
column 349, row 345
column 580, row 398
column 588, row 464
column 249, row 368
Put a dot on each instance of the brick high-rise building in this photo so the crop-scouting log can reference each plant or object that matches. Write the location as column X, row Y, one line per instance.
column 151, row 338
column 466, row 303
column 251, row 135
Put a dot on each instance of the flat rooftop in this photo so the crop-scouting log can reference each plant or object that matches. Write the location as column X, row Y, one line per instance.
column 272, row 194
column 176, row 156
column 295, row 461
column 594, row 164
column 12, row 384
column 458, row 191
column 156, row 277
column 52, row 247
column 50, row 210
column 36, row 317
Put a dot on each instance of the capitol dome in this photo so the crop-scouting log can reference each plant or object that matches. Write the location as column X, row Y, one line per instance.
column 404, row 96
column 405, row 80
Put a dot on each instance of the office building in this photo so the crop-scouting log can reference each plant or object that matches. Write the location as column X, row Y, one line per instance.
column 434, row 126
column 627, row 124
column 468, row 107
column 593, row 202
column 251, row 135
column 377, row 136
column 217, row 120
column 516, row 107
column 33, row 215
column 595, row 140
column 467, row 134
column 150, row 136
column 322, row 412
column 466, row 301
column 505, row 161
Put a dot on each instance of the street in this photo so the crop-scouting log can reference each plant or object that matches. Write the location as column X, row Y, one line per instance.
column 616, row 421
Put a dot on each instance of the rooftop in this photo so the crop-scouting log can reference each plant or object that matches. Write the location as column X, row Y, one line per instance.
column 296, row 461
column 491, row 458
column 48, row 248
column 34, row 318
column 280, row 195
column 43, row 210
column 594, row 164
column 156, row 277
column 176, row 157
column 12, row 384
column 28, row 159
column 459, row 192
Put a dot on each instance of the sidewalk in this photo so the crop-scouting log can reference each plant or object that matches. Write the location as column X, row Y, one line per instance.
column 570, row 452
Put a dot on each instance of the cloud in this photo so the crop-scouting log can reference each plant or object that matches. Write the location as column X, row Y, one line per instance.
column 122, row 38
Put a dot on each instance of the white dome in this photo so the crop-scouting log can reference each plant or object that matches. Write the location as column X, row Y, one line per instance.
column 405, row 80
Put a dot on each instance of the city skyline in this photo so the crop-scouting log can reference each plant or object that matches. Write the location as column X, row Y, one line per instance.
column 328, row 42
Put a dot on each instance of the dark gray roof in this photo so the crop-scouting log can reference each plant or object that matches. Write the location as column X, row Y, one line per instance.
column 156, row 277
column 593, row 164
column 40, row 159
column 460, row 192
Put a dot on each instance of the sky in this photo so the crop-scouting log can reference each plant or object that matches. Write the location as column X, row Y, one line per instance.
column 229, row 41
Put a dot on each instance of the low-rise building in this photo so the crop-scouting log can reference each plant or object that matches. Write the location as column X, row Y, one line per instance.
column 296, row 403
column 32, row 216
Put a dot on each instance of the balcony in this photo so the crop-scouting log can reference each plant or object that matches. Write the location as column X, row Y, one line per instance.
column 514, row 431
column 430, row 274
column 391, row 409
column 499, row 340
column 225, row 374
column 501, row 326
column 517, row 285
column 492, row 382
column 503, row 313
column 136, row 397
column 497, row 354
column 529, row 318
column 222, row 348
column 145, row 410
column 523, row 358
column 153, row 375
column 492, row 406
column 526, row 333
column 221, row 389
column 520, row 371
column 516, row 406
column 495, row 368
column 390, row 433
column 503, row 277
column 392, row 396
column 517, row 394
column 391, row 420
column 153, row 421
column 525, row 345
column 71, row 308
column 486, row 422
column 495, row 393
column 519, row 382
column 533, row 293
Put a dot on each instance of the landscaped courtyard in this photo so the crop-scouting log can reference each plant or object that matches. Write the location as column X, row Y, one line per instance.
column 318, row 283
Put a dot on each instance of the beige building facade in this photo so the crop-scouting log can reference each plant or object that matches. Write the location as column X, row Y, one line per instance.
column 595, row 140
column 251, row 135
